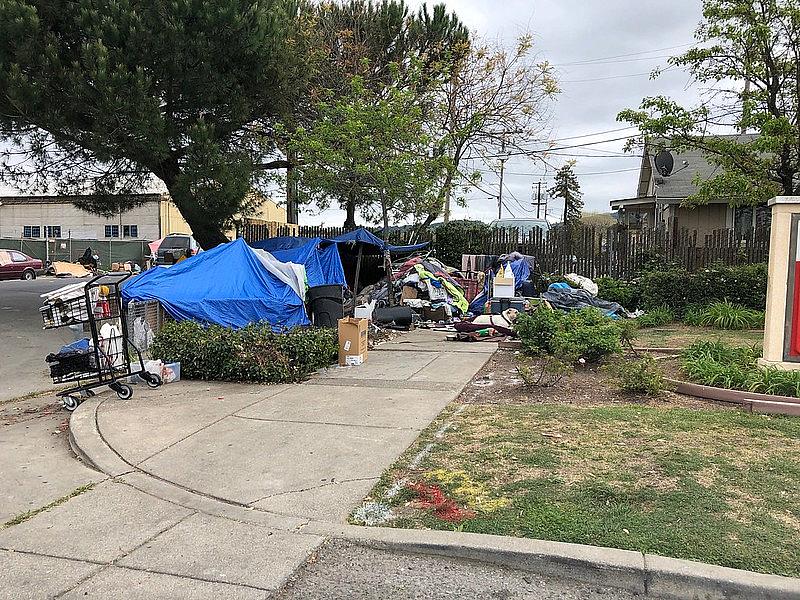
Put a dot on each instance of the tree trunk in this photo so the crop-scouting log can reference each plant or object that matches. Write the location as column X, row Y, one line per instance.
column 205, row 228
column 350, row 207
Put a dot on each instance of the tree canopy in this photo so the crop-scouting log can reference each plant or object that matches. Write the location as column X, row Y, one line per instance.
column 748, row 60
column 99, row 98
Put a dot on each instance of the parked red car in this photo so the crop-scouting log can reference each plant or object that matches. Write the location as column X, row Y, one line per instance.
column 16, row 265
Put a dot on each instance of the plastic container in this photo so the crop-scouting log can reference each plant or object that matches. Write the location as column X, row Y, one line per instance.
column 326, row 305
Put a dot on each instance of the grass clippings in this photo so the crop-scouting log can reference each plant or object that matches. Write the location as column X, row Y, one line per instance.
column 21, row 518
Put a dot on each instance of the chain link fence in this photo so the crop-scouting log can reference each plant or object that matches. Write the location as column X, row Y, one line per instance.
column 70, row 250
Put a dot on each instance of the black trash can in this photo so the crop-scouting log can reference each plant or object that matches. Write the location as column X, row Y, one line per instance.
column 326, row 305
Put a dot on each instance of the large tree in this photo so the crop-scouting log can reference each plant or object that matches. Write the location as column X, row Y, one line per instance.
column 748, row 61
column 388, row 48
column 492, row 101
column 101, row 97
column 370, row 146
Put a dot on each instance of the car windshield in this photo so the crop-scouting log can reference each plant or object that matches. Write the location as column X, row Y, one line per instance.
column 172, row 243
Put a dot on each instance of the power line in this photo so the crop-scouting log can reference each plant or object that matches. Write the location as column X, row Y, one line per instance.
column 546, row 150
column 634, row 53
column 553, row 175
column 612, row 77
column 585, row 135
column 591, row 63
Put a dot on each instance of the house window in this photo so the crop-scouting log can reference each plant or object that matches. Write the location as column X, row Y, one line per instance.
column 31, row 231
column 130, row 231
column 112, row 231
column 53, row 231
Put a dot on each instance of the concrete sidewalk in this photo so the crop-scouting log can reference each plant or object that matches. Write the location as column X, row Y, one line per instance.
column 209, row 485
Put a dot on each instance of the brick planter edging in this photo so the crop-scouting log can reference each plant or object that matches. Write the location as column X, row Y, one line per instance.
column 750, row 401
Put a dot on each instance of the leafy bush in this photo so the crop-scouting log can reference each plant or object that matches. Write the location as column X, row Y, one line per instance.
column 656, row 317
column 643, row 376
column 460, row 237
column 678, row 289
column 719, row 365
column 693, row 315
column 622, row 292
column 586, row 333
column 253, row 353
column 725, row 315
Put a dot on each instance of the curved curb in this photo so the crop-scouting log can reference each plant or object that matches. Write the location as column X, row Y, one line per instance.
column 643, row 574
column 750, row 401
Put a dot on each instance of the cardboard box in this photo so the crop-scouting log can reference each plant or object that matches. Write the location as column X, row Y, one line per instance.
column 409, row 293
column 352, row 341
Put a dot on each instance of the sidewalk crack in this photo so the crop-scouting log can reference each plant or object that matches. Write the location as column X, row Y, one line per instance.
column 315, row 487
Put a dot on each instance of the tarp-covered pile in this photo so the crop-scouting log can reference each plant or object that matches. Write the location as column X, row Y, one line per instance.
column 230, row 285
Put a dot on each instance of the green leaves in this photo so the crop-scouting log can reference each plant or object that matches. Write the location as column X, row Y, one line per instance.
column 747, row 58
column 253, row 353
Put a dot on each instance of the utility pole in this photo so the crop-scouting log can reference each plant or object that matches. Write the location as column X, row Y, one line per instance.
column 539, row 199
column 502, row 168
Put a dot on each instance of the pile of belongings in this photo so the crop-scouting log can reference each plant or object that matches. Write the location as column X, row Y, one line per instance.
column 561, row 296
column 427, row 285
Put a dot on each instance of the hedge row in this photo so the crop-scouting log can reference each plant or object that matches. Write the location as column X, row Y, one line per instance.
column 679, row 289
column 253, row 353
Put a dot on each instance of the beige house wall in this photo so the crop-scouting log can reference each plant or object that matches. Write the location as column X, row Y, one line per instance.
column 704, row 219
column 74, row 222
column 171, row 219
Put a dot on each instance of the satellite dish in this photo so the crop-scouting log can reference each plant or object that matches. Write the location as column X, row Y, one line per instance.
column 664, row 162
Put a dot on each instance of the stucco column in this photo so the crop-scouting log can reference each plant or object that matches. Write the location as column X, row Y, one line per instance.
column 784, row 254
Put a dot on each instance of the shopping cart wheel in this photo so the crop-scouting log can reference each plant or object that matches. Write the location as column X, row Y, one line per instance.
column 124, row 391
column 153, row 379
column 70, row 402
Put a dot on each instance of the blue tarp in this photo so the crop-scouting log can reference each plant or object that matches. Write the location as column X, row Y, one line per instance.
column 522, row 272
column 286, row 242
column 366, row 237
column 358, row 235
column 321, row 260
column 227, row 285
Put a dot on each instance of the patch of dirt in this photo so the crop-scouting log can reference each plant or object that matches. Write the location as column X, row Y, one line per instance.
column 499, row 383
column 28, row 409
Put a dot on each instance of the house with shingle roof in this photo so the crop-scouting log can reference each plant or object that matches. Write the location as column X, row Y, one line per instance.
column 659, row 199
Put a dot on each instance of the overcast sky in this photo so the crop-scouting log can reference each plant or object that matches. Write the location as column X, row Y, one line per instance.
column 625, row 40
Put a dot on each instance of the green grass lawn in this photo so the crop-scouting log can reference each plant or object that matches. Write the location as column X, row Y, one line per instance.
column 718, row 486
column 677, row 335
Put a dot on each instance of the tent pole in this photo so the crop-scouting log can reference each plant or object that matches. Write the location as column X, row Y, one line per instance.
column 358, row 269
column 387, row 264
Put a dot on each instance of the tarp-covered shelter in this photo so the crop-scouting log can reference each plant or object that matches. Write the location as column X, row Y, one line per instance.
column 353, row 247
column 229, row 285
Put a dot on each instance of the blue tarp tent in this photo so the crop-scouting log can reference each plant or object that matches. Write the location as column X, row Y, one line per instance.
column 227, row 285
column 286, row 242
column 366, row 237
column 321, row 260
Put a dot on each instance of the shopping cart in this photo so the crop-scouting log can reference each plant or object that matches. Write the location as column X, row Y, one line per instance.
column 108, row 357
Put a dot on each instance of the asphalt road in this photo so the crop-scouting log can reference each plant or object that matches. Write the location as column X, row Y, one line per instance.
column 341, row 570
column 23, row 342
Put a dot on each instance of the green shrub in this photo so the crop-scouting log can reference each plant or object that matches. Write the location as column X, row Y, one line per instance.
column 536, row 330
column 693, row 315
column 460, row 237
column 643, row 376
column 720, row 365
column 586, row 333
column 253, row 353
column 622, row 292
column 678, row 289
column 726, row 315
column 656, row 317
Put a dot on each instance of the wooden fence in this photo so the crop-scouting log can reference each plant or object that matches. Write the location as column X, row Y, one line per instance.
column 591, row 251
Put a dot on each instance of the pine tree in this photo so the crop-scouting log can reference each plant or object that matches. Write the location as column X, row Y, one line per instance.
column 568, row 188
